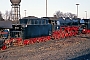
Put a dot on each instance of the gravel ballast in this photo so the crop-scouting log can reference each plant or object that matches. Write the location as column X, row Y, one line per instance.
column 63, row 49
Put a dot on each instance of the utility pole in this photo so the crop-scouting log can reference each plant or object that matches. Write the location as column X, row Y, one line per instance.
column 86, row 14
column 25, row 13
column 77, row 10
column 46, row 8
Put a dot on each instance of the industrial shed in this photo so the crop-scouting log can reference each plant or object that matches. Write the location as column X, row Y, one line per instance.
column 4, row 27
column 6, row 24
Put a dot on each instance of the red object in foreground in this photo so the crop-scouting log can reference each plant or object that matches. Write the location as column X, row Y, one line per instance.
column 26, row 42
column 4, row 47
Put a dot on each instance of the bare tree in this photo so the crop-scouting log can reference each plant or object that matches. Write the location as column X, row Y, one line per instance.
column 59, row 14
column 65, row 15
column 70, row 15
column 8, row 15
column 1, row 18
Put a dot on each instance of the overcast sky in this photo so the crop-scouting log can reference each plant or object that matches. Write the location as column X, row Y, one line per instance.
column 37, row 7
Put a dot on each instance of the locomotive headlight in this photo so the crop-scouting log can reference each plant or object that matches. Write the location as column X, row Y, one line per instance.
column 57, row 27
column 26, row 25
column 84, row 30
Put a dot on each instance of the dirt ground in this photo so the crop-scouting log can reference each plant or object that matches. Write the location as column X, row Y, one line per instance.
column 63, row 49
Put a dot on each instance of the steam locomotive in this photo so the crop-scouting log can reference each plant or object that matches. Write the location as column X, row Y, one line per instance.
column 32, row 30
